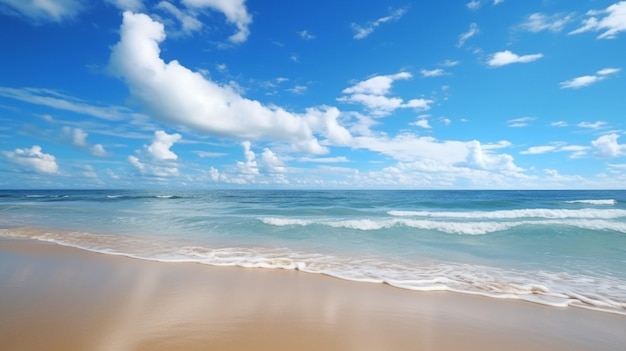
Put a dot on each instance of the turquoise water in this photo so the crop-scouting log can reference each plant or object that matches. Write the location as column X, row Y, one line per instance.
column 560, row 248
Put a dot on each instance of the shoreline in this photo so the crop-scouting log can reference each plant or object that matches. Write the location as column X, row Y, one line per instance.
column 58, row 297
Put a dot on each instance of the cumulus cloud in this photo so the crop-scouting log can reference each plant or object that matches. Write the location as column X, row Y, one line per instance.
column 75, row 136
column 506, row 57
column 78, row 138
column 538, row 22
column 473, row 30
column 175, row 94
column 362, row 31
column 611, row 21
column 160, row 147
column 271, row 162
column 422, row 123
column 234, row 10
column 157, row 159
column 33, row 159
column 607, row 146
column 583, row 81
column 481, row 158
column 248, row 167
column 372, row 94
column 98, row 150
column 42, row 11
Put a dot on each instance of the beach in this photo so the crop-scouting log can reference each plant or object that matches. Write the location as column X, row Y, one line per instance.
column 61, row 298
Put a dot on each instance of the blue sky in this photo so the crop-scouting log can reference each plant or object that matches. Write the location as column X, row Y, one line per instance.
column 312, row 94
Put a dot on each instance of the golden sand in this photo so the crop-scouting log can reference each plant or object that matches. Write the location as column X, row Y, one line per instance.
column 60, row 298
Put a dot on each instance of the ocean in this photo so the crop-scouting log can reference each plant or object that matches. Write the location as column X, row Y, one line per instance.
column 558, row 248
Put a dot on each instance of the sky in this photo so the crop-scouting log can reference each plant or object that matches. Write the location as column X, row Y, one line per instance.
column 313, row 94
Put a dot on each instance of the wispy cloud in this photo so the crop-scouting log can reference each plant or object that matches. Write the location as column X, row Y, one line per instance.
column 235, row 11
column 592, row 125
column 506, row 57
column 583, row 81
column 433, row 72
column 188, row 22
column 362, row 31
column 473, row 30
column 538, row 22
column 42, row 11
column 54, row 99
column 611, row 20
column 304, row 34
column 476, row 4
column 559, row 124
column 519, row 122
column 536, row 150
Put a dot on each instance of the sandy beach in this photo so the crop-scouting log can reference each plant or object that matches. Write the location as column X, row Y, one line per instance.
column 60, row 298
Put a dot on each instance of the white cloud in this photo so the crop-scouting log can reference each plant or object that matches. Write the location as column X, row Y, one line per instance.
column 506, row 57
column 304, row 34
column 519, row 122
column 473, row 30
column 378, row 85
column 33, row 159
column 592, row 125
column 577, row 151
column 207, row 154
column 607, row 146
column 422, row 123
column 98, row 150
column 42, row 11
column 538, row 22
column 234, row 10
column 157, row 159
column 474, row 4
column 162, row 170
column 433, row 72
column 127, row 5
column 271, row 162
column 612, row 21
column 583, row 81
column 298, row 89
column 51, row 98
column 559, row 124
column 188, row 22
column 372, row 92
column 450, row 63
column 479, row 157
column 536, row 150
column 160, row 147
column 337, row 159
column 249, row 167
column 173, row 93
column 363, row 31
column 78, row 138
column 75, row 136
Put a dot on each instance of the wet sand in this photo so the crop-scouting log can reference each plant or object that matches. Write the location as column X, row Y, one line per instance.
column 61, row 298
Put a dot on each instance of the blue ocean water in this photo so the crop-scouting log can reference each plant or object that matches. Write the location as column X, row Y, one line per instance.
column 559, row 248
